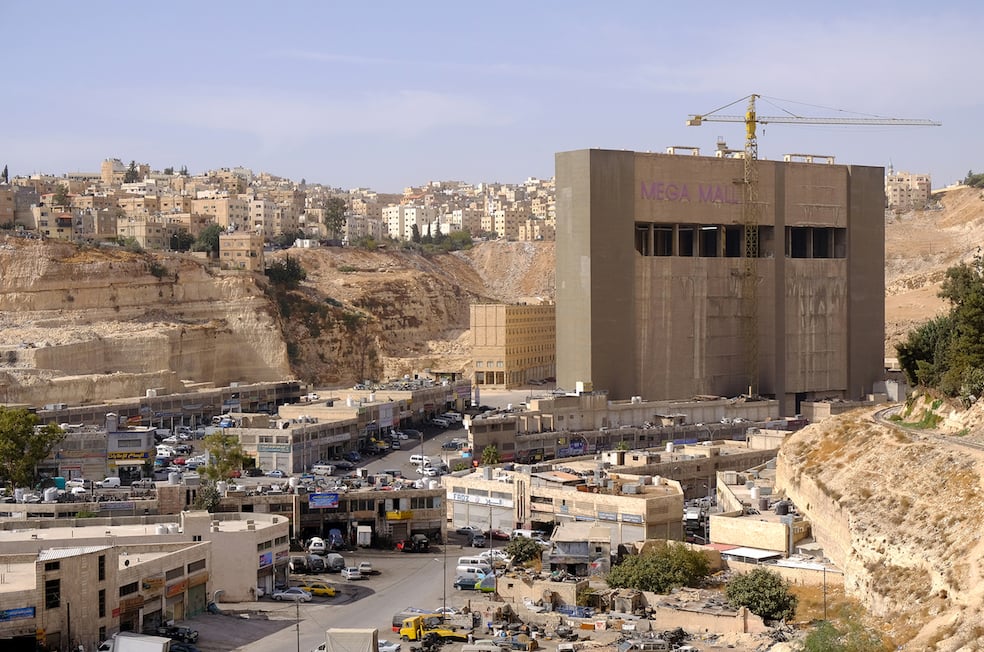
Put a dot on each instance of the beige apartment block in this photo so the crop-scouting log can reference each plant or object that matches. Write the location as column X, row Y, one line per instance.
column 7, row 204
column 241, row 250
column 136, row 205
column 148, row 230
column 512, row 344
column 112, row 171
column 536, row 230
column 175, row 204
column 652, row 291
column 905, row 191
column 225, row 211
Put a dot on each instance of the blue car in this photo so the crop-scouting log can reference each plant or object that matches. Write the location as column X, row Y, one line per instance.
column 353, row 456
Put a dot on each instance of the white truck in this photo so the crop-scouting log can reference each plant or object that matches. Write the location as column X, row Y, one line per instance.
column 130, row 642
column 351, row 640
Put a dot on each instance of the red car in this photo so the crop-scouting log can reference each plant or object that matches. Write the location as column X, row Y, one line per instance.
column 497, row 534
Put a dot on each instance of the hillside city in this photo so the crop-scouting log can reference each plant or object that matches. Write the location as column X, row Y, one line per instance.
column 561, row 515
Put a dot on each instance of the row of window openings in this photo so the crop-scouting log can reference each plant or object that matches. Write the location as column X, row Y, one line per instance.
column 710, row 241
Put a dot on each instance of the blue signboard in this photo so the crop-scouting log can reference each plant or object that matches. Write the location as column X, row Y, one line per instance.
column 322, row 501
column 16, row 614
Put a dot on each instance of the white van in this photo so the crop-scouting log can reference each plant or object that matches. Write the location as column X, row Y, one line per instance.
column 420, row 460
column 473, row 570
column 472, row 561
column 529, row 534
column 323, row 469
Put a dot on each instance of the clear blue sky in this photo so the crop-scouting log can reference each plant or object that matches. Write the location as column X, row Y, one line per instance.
column 391, row 94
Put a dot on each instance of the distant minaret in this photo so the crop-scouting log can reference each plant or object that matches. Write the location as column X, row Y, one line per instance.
column 891, row 169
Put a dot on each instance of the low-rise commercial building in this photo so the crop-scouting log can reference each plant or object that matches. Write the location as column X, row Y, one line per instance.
column 78, row 585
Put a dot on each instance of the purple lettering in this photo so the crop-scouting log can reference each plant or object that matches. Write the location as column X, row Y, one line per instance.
column 671, row 192
column 706, row 193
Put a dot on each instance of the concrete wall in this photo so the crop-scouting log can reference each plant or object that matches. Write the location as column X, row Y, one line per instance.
column 798, row 576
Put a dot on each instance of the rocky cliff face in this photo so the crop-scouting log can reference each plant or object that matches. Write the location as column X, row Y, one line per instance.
column 900, row 514
column 135, row 321
column 87, row 324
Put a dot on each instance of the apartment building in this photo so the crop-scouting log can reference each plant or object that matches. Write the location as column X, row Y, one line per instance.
column 263, row 216
column 513, row 344
column 148, row 230
column 112, row 171
column 536, row 230
column 171, row 203
column 393, row 219
column 241, row 250
column 139, row 205
column 905, row 191
column 227, row 212
column 7, row 203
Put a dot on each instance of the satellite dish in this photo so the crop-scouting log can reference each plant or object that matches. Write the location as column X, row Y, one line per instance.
column 126, row 563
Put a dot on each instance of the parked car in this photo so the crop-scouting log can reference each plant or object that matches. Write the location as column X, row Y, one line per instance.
column 352, row 573
column 386, row 646
column 293, row 593
column 466, row 583
column 177, row 646
column 494, row 533
column 440, row 422
column 411, row 433
column 183, row 634
column 353, row 456
column 428, row 471
column 275, row 473
column 254, row 472
column 318, row 588
column 468, row 529
column 478, row 540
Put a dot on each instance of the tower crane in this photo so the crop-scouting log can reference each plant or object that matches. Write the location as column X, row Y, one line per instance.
column 751, row 207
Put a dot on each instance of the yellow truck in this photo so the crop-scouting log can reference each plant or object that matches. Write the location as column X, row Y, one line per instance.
column 415, row 628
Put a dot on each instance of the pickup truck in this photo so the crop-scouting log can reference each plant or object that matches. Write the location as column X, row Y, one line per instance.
column 365, row 568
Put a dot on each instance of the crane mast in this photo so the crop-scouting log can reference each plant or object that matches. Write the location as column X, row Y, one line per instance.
column 751, row 209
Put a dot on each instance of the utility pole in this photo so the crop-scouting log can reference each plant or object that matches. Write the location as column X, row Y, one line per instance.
column 297, row 622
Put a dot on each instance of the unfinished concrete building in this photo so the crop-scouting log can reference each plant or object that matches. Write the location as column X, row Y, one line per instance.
column 655, row 293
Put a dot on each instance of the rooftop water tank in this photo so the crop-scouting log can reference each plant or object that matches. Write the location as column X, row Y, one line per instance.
column 763, row 504
column 174, row 477
column 50, row 495
column 161, row 528
column 172, row 528
column 755, row 493
column 293, row 481
column 222, row 486
column 669, row 447
column 782, row 508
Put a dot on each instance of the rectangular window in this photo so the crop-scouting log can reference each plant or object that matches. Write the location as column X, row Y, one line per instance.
column 52, row 566
column 127, row 589
column 102, row 568
column 102, row 603
column 174, row 573
column 52, row 594
column 196, row 566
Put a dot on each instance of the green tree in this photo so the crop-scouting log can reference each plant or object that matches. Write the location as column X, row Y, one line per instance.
column 181, row 240
column 5, row 175
column 765, row 594
column 208, row 239
column 286, row 272
column 523, row 549
column 667, row 566
column 132, row 175
column 225, row 455
column 183, row 171
column 61, row 197
column 333, row 215
column 23, row 444
column 207, row 497
column 415, row 234
column 169, row 171
column 490, row 455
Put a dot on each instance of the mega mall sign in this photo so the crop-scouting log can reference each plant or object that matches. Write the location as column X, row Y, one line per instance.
column 707, row 193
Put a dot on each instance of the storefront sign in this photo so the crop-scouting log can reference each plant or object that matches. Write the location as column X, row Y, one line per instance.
column 282, row 555
column 607, row 516
column 481, row 500
column 112, row 506
column 273, row 448
column 266, row 559
column 323, row 501
column 631, row 518
column 152, row 583
column 176, row 589
column 131, row 455
column 198, row 580
column 131, row 604
column 19, row 613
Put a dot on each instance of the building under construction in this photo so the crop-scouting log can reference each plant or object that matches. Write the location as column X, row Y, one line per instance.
column 665, row 289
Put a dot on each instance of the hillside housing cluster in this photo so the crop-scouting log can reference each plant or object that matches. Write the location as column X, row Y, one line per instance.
column 151, row 207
